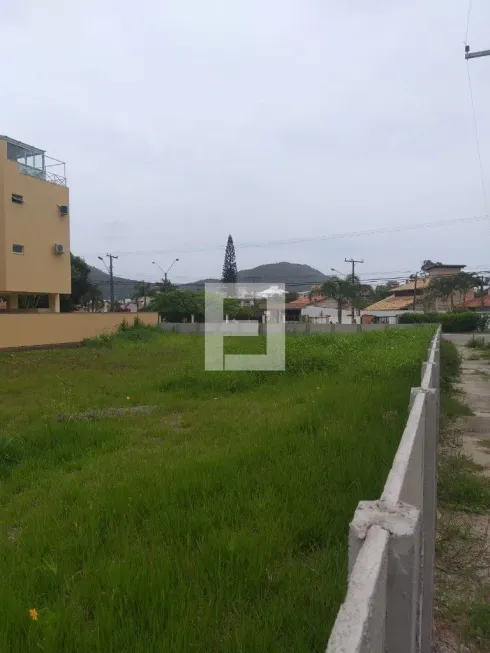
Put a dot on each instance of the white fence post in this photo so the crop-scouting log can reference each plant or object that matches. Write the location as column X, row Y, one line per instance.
column 403, row 523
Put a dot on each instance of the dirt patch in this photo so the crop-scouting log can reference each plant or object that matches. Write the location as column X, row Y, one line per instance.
column 91, row 415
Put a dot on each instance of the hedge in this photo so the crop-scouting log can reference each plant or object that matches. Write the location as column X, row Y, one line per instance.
column 451, row 322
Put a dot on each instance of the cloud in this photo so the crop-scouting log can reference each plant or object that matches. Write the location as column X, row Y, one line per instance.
column 184, row 121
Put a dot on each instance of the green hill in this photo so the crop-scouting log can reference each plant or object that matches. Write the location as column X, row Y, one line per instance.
column 123, row 288
column 296, row 276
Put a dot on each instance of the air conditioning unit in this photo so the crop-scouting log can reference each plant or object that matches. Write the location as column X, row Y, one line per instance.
column 63, row 209
column 59, row 249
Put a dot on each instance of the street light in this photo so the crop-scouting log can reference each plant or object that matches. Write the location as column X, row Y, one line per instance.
column 165, row 272
column 338, row 272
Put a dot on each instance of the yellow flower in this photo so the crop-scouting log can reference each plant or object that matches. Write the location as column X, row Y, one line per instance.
column 128, row 398
column 33, row 614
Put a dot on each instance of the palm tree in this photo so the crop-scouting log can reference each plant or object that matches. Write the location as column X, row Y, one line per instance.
column 341, row 290
column 444, row 288
column 463, row 282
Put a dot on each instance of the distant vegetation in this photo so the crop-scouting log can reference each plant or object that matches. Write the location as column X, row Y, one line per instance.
column 451, row 322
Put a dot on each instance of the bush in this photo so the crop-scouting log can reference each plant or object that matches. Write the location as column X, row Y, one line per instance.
column 450, row 322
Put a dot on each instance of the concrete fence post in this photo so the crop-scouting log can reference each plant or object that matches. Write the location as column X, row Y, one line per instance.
column 403, row 522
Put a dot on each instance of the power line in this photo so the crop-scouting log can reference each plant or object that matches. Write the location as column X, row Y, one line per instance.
column 304, row 282
column 293, row 241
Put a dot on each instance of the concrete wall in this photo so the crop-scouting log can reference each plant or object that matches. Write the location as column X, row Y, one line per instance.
column 291, row 327
column 388, row 606
column 38, row 329
column 37, row 226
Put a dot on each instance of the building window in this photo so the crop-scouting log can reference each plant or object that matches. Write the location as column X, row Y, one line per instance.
column 17, row 199
column 18, row 249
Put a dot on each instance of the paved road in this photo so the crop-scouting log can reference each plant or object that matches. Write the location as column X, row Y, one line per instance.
column 462, row 338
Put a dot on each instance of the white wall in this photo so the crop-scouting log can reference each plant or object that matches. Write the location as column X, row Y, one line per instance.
column 330, row 313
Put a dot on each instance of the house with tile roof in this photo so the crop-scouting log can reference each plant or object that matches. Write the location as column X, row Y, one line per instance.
column 477, row 304
column 415, row 296
column 317, row 309
column 294, row 309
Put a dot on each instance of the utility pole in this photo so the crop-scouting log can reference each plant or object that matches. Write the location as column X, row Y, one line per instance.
column 111, row 276
column 415, row 277
column 353, row 261
column 111, row 279
column 473, row 55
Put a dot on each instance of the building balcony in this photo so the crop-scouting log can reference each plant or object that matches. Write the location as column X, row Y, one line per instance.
column 34, row 162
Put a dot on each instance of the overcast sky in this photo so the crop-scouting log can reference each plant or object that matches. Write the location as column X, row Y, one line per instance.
column 182, row 121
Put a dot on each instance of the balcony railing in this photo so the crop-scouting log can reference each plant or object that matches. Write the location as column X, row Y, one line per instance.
column 44, row 175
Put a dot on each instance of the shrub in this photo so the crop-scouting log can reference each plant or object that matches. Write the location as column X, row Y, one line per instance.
column 450, row 322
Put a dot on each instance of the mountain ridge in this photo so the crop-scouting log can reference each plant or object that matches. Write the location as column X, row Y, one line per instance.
column 296, row 276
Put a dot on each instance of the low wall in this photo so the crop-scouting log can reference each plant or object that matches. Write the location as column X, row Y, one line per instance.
column 388, row 606
column 291, row 327
column 49, row 329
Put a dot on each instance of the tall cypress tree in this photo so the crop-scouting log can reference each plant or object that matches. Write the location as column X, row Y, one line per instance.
column 230, row 273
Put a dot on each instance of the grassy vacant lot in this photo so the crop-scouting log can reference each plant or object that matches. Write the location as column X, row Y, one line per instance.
column 218, row 523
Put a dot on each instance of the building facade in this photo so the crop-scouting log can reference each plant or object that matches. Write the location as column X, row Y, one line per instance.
column 34, row 225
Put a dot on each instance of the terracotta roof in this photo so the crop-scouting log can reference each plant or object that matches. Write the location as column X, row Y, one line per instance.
column 476, row 302
column 410, row 285
column 391, row 304
column 303, row 302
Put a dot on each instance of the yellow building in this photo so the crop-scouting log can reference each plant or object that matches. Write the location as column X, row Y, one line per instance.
column 34, row 225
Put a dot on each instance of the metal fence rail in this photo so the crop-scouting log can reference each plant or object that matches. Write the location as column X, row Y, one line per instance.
column 388, row 606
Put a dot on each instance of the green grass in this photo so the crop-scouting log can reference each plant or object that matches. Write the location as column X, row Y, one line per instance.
column 217, row 523
column 460, row 488
column 478, row 342
column 462, row 553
